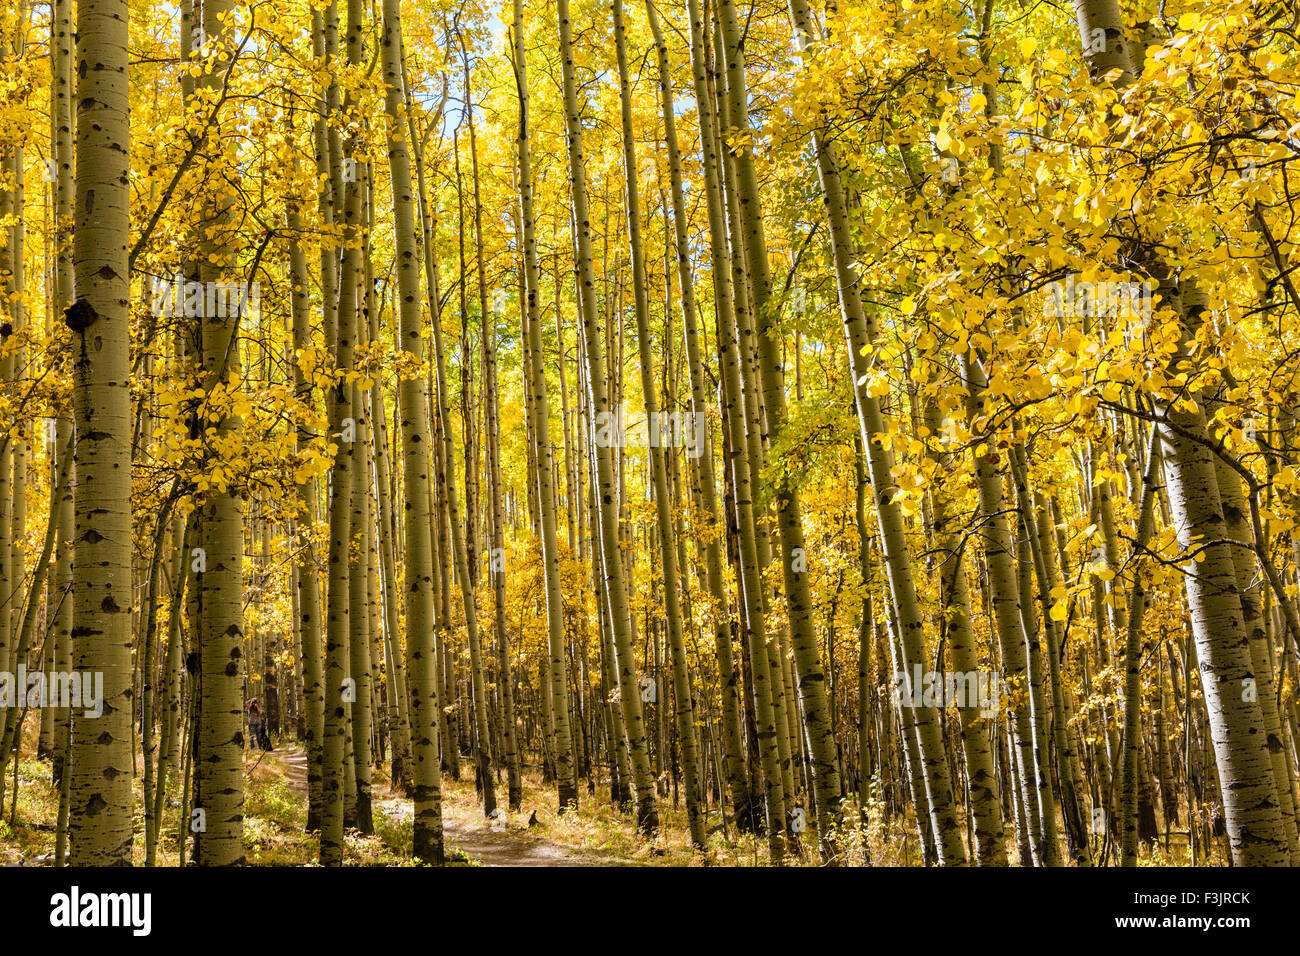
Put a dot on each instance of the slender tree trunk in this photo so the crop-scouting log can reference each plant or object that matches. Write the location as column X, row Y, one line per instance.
column 723, row 622
column 61, row 109
column 647, row 813
column 685, row 711
column 307, row 569
column 417, row 446
column 565, row 768
column 338, row 690
column 985, row 801
column 364, row 709
column 1005, row 600
column 395, row 671
column 459, row 531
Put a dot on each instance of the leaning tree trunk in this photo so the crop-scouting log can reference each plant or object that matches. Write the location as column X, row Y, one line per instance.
column 860, row 332
column 1256, row 835
column 985, row 798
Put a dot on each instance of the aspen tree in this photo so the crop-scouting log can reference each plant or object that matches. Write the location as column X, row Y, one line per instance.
column 667, row 544
column 1251, row 808
column 8, row 584
column 812, row 689
column 1132, row 664
column 342, row 430
column 219, row 790
column 162, row 533
column 1005, row 600
column 1067, row 754
column 11, row 726
column 417, row 445
column 1238, row 732
column 19, row 439
column 565, row 765
column 1235, row 517
column 307, row 569
column 741, row 326
column 363, row 706
column 100, row 789
column 507, row 745
column 440, row 660
column 647, row 813
column 985, row 802
column 169, row 746
column 1026, row 540
column 62, row 155
column 459, row 532
column 395, row 671
column 860, row 332
column 733, row 416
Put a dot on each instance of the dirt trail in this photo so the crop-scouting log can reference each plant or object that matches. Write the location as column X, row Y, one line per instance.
column 479, row 842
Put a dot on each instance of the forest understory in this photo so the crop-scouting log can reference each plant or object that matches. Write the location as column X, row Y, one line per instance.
column 601, row 834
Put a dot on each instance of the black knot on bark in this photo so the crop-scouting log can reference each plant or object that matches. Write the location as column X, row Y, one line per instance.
column 79, row 316
column 95, row 805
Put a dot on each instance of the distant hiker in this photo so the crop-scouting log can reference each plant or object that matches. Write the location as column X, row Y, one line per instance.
column 256, row 733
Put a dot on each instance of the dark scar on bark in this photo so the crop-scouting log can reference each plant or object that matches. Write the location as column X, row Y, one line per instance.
column 80, row 316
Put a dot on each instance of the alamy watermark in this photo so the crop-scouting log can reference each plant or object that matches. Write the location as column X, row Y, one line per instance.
column 79, row 689
column 1123, row 300
column 191, row 298
column 660, row 430
column 75, row 909
column 966, row 689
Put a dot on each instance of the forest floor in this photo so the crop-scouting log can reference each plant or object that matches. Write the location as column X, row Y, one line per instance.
column 467, row 835
column 598, row 834
column 275, row 816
